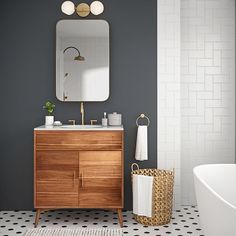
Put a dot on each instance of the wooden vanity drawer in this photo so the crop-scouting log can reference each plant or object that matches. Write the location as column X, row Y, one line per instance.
column 78, row 140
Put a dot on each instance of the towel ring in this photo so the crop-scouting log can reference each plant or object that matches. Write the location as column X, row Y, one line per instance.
column 142, row 116
column 134, row 164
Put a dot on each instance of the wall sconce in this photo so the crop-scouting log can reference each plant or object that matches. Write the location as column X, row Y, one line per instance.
column 96, row 8
column 83, row 9
column 68, row 7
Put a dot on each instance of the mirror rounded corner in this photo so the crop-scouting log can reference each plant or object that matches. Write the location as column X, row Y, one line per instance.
column 58, row 97
column 106, row 23
column 106, row 98
column 58, row 23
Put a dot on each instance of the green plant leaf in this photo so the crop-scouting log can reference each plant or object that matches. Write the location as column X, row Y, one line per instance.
column 49, row 106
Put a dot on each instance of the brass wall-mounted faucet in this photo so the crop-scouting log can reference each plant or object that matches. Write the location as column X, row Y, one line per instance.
column 82, row 115
column 82, row 112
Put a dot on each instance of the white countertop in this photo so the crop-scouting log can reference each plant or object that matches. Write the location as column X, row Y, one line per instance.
column 80, row 128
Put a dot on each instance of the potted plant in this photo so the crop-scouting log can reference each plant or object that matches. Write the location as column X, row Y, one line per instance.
column 49, row 119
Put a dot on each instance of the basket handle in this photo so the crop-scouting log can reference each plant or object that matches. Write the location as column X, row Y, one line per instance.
column 132, row 166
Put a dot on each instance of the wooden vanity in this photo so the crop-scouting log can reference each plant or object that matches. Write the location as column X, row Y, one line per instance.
column 78, row 169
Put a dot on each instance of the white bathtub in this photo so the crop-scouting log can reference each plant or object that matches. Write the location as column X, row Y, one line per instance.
column 215, row 187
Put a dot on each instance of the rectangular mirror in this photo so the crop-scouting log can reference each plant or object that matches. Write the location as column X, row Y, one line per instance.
column 82, row 60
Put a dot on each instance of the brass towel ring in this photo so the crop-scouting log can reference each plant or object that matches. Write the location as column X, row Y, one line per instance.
column 142, row 116
column 133, row 165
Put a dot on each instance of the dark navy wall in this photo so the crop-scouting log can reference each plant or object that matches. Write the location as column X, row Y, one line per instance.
column 27, row 74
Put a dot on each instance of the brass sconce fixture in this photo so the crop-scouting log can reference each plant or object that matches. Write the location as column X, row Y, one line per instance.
column 83, row 9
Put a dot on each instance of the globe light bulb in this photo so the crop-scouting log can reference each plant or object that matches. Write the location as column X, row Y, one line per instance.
column 68, row 7
column 96, row 8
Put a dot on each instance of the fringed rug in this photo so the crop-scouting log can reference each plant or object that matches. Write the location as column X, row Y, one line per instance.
column 74, row 232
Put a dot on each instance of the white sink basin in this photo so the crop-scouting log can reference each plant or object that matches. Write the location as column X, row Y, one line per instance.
column 80, row 126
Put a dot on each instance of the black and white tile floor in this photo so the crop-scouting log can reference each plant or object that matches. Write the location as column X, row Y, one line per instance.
column 185, row 222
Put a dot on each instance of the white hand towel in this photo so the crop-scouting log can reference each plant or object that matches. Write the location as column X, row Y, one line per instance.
column 142, row 195
column 141, row 153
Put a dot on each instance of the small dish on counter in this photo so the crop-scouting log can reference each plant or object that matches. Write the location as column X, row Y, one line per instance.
column 57, row 123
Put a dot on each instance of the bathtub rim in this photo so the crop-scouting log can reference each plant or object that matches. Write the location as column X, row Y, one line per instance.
column 207, row 185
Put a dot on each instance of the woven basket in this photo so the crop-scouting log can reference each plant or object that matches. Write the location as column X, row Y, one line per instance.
column 162, row 195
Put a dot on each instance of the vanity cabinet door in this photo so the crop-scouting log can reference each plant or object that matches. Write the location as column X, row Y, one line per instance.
column 56, row 184
column 100, row 179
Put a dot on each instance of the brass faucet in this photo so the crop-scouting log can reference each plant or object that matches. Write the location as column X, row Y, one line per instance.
column 82, row 112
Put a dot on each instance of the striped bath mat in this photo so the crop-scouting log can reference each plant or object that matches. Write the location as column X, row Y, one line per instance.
column 74, row 232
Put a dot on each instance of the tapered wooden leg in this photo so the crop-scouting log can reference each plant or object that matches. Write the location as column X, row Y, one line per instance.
column 37, row 218
column 120, row 217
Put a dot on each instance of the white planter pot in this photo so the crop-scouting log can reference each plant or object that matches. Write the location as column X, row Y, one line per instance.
column 49, row 120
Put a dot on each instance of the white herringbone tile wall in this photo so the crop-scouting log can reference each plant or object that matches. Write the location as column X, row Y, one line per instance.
column 196, row 87
column 169, row 89
column 207, row 87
